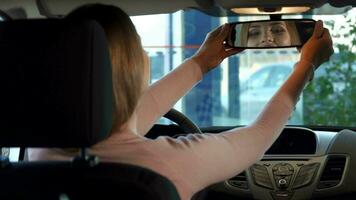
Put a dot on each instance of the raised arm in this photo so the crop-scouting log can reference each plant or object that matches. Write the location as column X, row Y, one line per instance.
column 271, row 120
column 160, row 97
column 216, row 157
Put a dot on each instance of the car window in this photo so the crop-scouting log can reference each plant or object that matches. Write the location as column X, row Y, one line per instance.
column 279, row 75
column 219, row 99
column 259, row 79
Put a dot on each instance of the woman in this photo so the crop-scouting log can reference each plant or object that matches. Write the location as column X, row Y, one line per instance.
column 271, row 34
column 195, row 161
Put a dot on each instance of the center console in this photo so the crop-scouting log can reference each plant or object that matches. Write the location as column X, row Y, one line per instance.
column 297, row 166
column 289, row 169
column 282, row 178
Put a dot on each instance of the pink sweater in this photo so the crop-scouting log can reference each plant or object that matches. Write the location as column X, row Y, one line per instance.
column 194, row 161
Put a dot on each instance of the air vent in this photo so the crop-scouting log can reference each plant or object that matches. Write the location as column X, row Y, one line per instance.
column 333, row 172
column 305, row 175
column 261, row 177
column 239, row 181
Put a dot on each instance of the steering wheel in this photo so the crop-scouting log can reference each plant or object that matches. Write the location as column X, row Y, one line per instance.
column 183, row 121
column 4, row 16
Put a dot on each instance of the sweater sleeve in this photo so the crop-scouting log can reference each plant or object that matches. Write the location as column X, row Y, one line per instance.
column 161, row 96
column 201, row 160
column 211, row 158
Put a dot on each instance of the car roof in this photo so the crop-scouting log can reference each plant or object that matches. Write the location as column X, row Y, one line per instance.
column 143, row 7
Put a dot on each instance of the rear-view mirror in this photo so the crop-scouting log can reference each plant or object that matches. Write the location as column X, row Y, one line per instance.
column 270, row 34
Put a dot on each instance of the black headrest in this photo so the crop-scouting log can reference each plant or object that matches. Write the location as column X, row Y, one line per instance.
column 55, row 83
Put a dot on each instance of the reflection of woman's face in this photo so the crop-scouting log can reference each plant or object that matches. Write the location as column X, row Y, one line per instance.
column 268, row 34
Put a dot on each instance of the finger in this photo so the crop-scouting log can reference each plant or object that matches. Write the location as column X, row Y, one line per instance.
column 224, row 31
column 318, row 29
column 216, row 31
column 233, row 51
column 327, row 37
column 326, row 34
column 227, row 46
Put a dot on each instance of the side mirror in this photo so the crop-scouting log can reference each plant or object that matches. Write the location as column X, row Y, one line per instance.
column 270, row 33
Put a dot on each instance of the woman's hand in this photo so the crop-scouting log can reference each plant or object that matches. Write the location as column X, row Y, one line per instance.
column 319, row 47
column 213, row 51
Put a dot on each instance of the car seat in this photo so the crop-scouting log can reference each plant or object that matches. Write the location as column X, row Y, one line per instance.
column 56, row 92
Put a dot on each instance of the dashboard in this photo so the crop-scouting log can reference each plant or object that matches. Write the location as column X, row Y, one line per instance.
column 297, row 142
column 301, row 164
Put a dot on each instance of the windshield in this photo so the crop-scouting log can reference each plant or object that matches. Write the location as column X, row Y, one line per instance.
column 234, row 93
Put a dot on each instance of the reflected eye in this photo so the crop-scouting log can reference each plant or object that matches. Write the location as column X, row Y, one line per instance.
column 253, row 32
column 278, row 29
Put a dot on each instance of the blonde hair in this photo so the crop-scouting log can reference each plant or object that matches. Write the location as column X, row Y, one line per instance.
column 244, row 34
column 126, row 55
column 239, row 35
column 293, row 33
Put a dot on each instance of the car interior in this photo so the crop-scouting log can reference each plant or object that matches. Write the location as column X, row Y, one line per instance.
column 56, row 75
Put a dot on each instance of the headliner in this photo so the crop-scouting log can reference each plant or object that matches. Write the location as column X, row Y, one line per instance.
column 143, row 7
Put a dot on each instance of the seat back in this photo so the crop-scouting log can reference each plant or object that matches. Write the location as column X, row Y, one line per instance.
column 65, row 180
column 55, row 80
